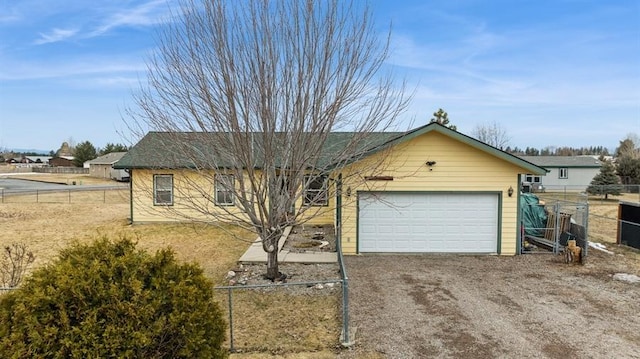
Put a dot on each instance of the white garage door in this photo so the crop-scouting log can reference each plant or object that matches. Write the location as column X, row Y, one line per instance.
column 428, row 222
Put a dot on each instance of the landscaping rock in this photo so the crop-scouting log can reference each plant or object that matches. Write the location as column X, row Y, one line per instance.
column 625, row 277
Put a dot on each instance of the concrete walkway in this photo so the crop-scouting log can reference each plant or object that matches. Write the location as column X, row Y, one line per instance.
column 255, row 254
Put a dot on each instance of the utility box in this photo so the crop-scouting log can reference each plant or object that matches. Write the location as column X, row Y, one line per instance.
column 629, row 224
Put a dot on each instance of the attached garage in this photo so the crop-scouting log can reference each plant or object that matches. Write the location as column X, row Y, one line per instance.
column 428, row 222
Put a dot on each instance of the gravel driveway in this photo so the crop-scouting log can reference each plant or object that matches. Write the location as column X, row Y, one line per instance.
column 531, row 306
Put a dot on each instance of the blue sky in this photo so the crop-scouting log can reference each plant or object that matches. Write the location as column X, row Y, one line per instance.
column 550, row 72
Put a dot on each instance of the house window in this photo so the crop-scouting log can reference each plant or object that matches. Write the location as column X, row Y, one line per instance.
column 532, row 179
column 224, row 186
column 316, row 193
column 563, row 172
column 163, row 190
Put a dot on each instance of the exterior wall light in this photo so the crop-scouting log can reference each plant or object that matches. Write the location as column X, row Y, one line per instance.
column 510, row 191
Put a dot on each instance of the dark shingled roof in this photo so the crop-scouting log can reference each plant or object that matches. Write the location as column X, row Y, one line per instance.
column 162, row 149
column 108, row 159
column 564, row 161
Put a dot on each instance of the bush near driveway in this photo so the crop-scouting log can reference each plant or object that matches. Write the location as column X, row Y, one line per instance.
column 109, row 299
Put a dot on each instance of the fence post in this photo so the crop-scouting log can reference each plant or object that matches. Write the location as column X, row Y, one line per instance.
column 69, row 196
column 231, row 348
column 345, row 311
column 3, row 195
column 37, row 196
column 104, row 196
column 556, row 239
column 586, row 231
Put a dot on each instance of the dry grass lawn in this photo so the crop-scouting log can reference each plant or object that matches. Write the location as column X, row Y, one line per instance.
column 275, row 323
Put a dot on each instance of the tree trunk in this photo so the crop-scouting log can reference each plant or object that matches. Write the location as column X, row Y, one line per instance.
column 270, row 245
column 273, row 271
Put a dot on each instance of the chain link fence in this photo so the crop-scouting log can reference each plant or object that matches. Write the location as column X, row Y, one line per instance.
column 578, row 193
column 333, row 293
column 75, row 195
column 4, row 290
column 602, row 222
column 549, row 223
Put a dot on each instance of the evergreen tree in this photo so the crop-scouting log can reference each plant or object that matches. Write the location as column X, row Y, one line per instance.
column 442, row 117
column 84, row 151
column 628, row 168
column 113, row 147
column 606, row 182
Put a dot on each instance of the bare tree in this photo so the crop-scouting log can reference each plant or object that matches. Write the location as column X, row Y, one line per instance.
column 249, row 94
column 492, row 134
column 630, row 146
column 14, row 264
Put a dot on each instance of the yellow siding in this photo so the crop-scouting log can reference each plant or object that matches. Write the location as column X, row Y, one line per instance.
column 193, row 193
column 459, row 167
column 191, row 197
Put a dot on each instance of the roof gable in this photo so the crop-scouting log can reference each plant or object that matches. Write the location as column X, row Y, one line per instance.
column 436, row 127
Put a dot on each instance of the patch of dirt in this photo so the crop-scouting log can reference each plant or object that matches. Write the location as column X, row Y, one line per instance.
column 453, row 306
column 311, row 238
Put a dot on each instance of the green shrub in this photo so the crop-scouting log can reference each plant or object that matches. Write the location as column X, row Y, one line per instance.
column 109, row 299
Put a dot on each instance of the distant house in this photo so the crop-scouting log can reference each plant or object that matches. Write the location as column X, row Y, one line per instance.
column 29, row 161
column 38, row 161
column 566, row 173
column 102, row 167
column 61, row 161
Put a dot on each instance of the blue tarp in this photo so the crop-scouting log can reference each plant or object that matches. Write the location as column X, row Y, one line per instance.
column 534, row 216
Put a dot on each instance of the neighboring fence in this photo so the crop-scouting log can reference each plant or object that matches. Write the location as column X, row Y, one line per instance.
column 14, row 169
column 66, row 170
column 628, row 231
column 74, row 195
column 573, row 193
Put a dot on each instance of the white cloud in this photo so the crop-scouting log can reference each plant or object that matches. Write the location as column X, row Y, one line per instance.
column 55, row 35
column 68, row 69
column 146, row 14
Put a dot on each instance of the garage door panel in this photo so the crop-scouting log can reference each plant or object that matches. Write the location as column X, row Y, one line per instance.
column 428, row 222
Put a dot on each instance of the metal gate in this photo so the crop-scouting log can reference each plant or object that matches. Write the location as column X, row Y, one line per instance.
column 557, row 221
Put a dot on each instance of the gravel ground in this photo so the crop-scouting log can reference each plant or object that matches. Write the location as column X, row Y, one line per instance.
column 531, row 306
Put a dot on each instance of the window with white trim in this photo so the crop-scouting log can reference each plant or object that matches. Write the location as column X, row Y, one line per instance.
column 563, row 172
column 163, row 190
column 224, row 187
column 532, row 179
column 316, row 193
